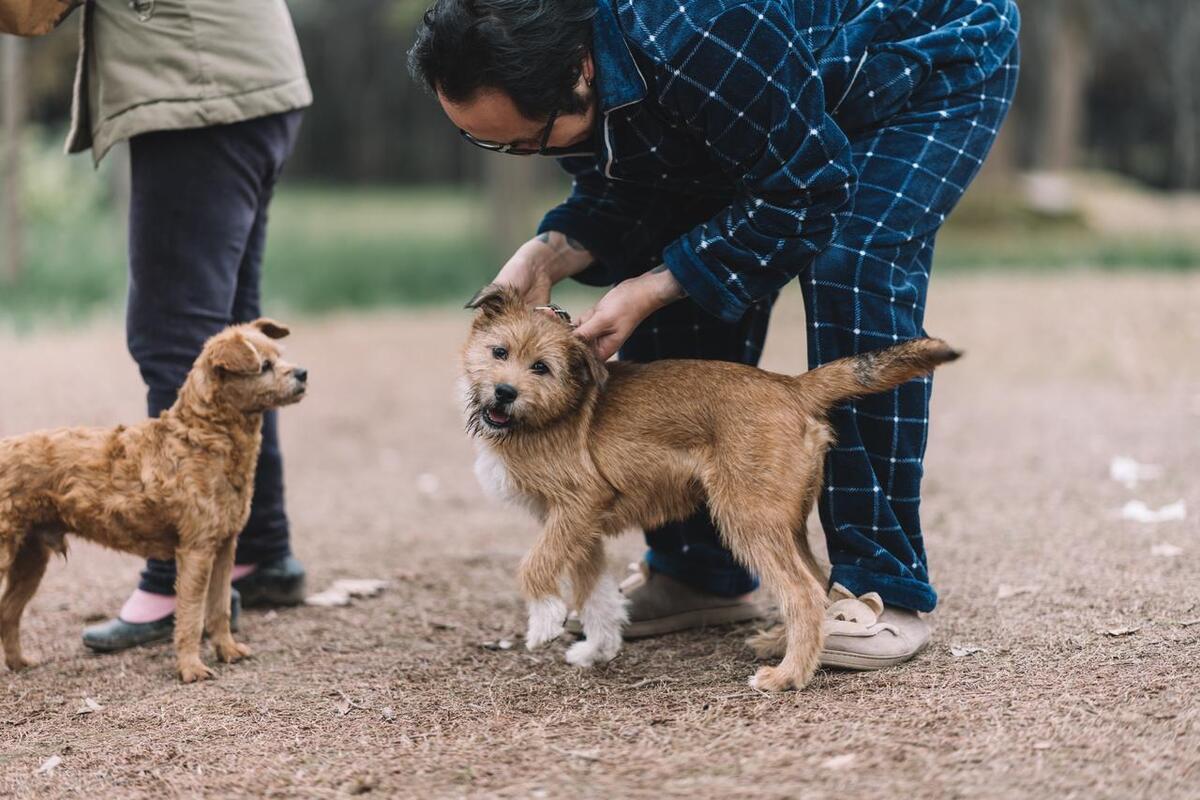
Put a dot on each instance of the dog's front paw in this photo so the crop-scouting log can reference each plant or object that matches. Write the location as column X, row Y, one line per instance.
column 231, row 652
column 194, row 670
column 775, row 679
column 589, row 653
column 19, row 662
column 546, row 617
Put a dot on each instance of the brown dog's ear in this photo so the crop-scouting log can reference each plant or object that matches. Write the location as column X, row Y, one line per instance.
column 493, row 299
column 270, row 328
column 591, row 368
column 235, row 354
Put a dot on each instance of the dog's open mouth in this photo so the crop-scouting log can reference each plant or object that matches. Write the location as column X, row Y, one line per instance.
column 496, row 418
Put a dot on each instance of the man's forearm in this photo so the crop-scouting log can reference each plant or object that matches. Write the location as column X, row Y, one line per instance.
column 558, row 256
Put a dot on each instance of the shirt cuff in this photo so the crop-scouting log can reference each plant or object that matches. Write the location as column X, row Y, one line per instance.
column 700, row 284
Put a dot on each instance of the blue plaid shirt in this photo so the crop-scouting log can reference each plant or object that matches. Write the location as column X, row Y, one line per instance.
column 722, row 147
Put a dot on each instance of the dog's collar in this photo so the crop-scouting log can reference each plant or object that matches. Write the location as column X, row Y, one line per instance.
column 556, row 310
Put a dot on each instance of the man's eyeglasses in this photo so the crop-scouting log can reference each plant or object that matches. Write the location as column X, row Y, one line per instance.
column 514, row 150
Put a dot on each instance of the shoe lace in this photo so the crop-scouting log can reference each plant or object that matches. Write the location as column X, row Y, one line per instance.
column 851, row 615
column 639, row 573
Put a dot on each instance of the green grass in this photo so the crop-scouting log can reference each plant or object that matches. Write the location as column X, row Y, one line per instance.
column 338, row 247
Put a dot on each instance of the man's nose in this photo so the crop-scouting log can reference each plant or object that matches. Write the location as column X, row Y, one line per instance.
column 506, row 392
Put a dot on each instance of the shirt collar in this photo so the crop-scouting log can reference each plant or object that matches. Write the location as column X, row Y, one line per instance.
column 619, row 82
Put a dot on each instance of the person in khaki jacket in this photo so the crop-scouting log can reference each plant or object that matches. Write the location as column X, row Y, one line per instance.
column 209, row 94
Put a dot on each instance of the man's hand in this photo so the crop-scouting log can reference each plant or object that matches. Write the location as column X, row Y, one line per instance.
column 612, row 320
column 542, row 262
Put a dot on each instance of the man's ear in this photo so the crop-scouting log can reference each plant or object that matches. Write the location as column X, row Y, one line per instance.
column 270, row 328
column 235, row 354
column 493, row 299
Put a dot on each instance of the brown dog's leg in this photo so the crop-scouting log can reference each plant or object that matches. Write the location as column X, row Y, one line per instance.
column 561, row 546
column 601, row 608
column 24, row 575
column 216, row 616
column 193, row 571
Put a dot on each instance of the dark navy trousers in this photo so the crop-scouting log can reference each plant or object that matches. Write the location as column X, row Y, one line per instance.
column 197, row 230
column 865, row 292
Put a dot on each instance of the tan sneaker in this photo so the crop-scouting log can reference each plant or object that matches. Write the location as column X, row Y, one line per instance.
column 659, row 604
column 861, row 634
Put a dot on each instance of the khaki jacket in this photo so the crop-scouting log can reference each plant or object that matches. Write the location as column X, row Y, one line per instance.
column 152, row 65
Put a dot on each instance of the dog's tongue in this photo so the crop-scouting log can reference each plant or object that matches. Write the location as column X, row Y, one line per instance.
column 497, row 416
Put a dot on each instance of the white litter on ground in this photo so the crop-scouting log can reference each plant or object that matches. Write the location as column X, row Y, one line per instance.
column 958, row 651
column 1125, row 470
column 1166, row 550
column 342, row 591
column 1138, row 511
column 47, row 767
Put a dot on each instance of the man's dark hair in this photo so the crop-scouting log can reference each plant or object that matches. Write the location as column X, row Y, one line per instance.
column 532, row 50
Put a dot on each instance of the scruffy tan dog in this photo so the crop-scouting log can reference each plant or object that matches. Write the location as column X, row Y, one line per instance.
column 595, row 450
column 176, row 487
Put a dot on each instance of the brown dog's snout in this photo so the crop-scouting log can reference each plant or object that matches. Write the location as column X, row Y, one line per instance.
column 505, row 393
column 301, row 374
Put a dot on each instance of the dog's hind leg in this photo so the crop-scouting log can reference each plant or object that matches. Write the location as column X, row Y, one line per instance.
column 25, row 572
column 193, row 572
column 602, row 611
column 768, row 547
column 216, row 615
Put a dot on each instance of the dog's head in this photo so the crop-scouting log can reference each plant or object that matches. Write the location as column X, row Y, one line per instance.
column 243, row 368
column 523, row 369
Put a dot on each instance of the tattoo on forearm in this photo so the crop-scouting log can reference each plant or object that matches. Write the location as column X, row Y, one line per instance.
column 574, row 244
column 544, row 238
column 663, row 268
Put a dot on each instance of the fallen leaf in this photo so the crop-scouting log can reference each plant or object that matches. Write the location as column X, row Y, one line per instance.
column 89, row 706
column 360, row 587
column 499, row 644
column 343, row 707
column 958, row 651
column 1122, row 631
column 839, row 762
column 329, row 598
column 1128, row 472
column 389, row 714
column 1138, row 511
column 1042, row 745
column 47, row 767
column 1005, row 591
column 1166, row 550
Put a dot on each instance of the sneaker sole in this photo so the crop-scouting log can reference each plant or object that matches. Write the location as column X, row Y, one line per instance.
column 688, row 620
column 858, row 662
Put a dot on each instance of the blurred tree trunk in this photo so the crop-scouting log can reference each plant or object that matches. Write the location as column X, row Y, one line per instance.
column 12, row 112
column 510, row 190
column 1184, row 67
column 1062, row 114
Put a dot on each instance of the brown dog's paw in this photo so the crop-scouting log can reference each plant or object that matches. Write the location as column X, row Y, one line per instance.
column 232, row 652
column 774, row 679
column 192, row 671
column 20, row 662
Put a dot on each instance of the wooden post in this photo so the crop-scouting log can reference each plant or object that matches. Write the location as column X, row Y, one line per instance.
column 12, row 122
column 510, row 182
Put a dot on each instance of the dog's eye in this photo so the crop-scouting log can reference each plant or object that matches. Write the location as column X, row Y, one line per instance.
column 499, row 353
column 267, row 367
column 540, row 368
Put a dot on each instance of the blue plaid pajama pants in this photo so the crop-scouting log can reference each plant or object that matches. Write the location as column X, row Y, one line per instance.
column 865, row 292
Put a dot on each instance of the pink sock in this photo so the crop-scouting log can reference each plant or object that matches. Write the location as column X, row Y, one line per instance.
column 149, row 607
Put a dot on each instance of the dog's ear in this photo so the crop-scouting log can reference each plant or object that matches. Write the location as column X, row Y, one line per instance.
column 234, row 353
column 270, row 328
column 493, row 299
column 591, row 369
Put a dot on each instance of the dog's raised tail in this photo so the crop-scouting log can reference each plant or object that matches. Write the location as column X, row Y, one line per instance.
column 877, row 371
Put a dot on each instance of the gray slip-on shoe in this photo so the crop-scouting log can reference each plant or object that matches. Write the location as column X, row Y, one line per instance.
column 273, row 583
column 862, row 634
column 116, row 634
column 660, row 604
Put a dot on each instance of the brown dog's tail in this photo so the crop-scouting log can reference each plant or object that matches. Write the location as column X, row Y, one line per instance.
column 877, row 371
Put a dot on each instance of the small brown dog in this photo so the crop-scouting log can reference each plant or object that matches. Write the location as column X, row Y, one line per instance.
column 596, row 449
column 176, row 487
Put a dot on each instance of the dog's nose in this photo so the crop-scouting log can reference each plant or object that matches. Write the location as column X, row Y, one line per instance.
column 506, row 392
column 301, row 374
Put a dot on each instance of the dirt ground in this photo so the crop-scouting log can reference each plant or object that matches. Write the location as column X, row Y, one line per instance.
column 395, row 696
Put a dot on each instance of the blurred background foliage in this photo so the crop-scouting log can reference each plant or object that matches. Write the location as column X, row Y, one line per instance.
column 1098, row 167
